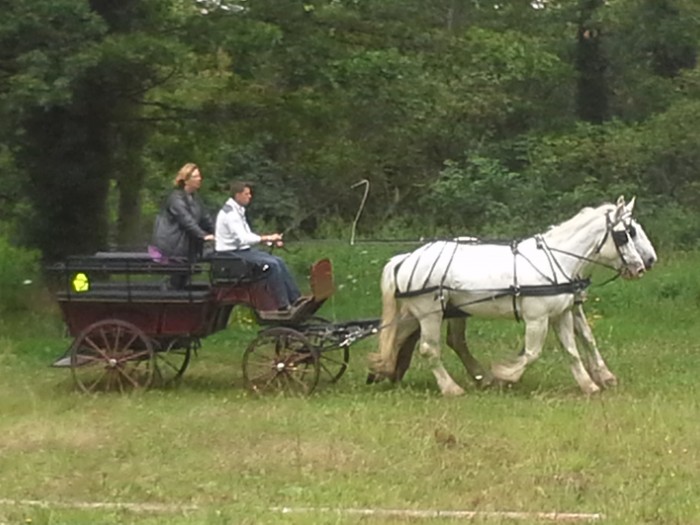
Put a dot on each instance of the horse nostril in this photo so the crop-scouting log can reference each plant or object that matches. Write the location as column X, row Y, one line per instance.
column 649, row 263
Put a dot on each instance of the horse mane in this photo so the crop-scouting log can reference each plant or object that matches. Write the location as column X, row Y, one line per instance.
column 584, row 216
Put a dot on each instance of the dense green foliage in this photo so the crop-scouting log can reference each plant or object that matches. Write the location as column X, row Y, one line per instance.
column 482, row 117
column 18, row 269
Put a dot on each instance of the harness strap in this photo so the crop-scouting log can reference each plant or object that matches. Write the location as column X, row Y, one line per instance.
column 528, row 290
column 515, row 288
column 444, row 276
column 430, row 273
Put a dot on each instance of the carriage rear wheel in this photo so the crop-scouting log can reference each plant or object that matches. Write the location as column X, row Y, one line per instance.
column 281, row 359
column 173, row 360
column 112, row 355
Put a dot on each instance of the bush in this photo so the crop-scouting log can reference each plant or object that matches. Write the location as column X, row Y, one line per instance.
column 18, row 267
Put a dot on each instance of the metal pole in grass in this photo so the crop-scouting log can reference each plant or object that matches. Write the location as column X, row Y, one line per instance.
column 359, row 211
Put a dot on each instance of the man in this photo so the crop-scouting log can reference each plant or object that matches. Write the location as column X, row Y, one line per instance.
column 234, row 236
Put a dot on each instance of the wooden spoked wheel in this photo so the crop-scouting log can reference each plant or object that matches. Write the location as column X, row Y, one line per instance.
column 333, row 359
column 173, row 360
column 281, row 359
column 333, row 363
column 112, row 355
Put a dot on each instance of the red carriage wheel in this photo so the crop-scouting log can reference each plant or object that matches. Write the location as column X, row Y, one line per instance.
column 281, row 359
column 112, row 355
column 172, row 361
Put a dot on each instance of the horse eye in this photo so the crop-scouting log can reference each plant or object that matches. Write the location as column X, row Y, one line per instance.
column 632, row 231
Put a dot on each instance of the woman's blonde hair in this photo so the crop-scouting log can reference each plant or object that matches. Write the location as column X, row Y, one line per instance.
column 185, row 173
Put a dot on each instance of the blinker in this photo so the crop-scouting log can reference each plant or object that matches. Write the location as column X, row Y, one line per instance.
column 620, row 238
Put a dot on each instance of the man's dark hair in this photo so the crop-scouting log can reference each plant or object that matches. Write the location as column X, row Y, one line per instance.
column 238, row 186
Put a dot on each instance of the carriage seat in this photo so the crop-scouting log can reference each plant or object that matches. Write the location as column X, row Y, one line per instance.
column 230, row 269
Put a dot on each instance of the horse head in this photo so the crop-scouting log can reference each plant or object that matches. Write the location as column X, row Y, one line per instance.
column 634, row 249
column 639, row 237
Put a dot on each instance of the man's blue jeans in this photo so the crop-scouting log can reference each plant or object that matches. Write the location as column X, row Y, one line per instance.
column 279, row 280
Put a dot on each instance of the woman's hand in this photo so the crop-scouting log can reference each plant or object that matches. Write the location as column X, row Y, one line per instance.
column 209, row 237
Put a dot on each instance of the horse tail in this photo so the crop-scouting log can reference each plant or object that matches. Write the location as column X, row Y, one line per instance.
column 383, row 362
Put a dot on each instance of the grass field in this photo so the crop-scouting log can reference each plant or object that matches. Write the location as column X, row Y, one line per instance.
column 209, row 453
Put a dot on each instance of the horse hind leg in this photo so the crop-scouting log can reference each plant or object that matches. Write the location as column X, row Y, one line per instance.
column 403, row 361
column 456, row 339
column 430, row 349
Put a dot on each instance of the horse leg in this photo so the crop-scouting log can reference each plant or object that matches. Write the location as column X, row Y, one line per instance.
column 403, row 361
column 565, row 332
column 457, row 340
column 535, row 333
column 594, row 360
column 407, row 334
column 430, row 348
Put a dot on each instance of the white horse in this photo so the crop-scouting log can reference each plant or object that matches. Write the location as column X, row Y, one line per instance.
column 592, row 358
column 535, row 280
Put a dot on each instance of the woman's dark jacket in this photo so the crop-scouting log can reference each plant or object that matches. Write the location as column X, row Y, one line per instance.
column 181, row 226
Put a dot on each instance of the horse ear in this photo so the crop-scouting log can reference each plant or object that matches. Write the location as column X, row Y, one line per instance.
column 630, row 205
column 620, row 209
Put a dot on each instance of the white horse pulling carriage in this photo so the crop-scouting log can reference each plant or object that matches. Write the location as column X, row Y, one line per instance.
column 538, row 280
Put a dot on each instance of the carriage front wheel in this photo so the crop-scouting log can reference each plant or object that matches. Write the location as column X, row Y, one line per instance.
column 281, row 359
column 112, row 355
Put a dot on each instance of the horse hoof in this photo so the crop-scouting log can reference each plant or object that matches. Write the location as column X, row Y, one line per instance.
column 610, row 382
column 453, row 391
column 591, row 389
column 507, row 374
column 604, row 379
column 485, row 380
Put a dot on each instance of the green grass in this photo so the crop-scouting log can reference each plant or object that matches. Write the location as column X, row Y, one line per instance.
column 632, row 453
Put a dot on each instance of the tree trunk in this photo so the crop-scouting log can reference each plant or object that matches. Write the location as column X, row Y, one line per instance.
column 592, row 96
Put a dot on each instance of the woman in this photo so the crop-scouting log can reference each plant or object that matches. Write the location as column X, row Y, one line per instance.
column 183, row 223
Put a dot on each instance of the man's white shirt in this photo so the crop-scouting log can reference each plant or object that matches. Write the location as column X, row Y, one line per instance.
column 232, row 229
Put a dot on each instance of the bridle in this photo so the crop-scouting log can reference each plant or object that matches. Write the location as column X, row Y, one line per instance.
column 620, row 237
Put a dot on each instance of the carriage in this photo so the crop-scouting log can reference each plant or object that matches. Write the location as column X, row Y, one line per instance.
column 132, row 330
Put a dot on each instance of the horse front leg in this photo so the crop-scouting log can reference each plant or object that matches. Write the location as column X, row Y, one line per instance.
column 457, row 340
column 430, row 349
column 565, row 332
column 512, row 370
column 594, row 360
